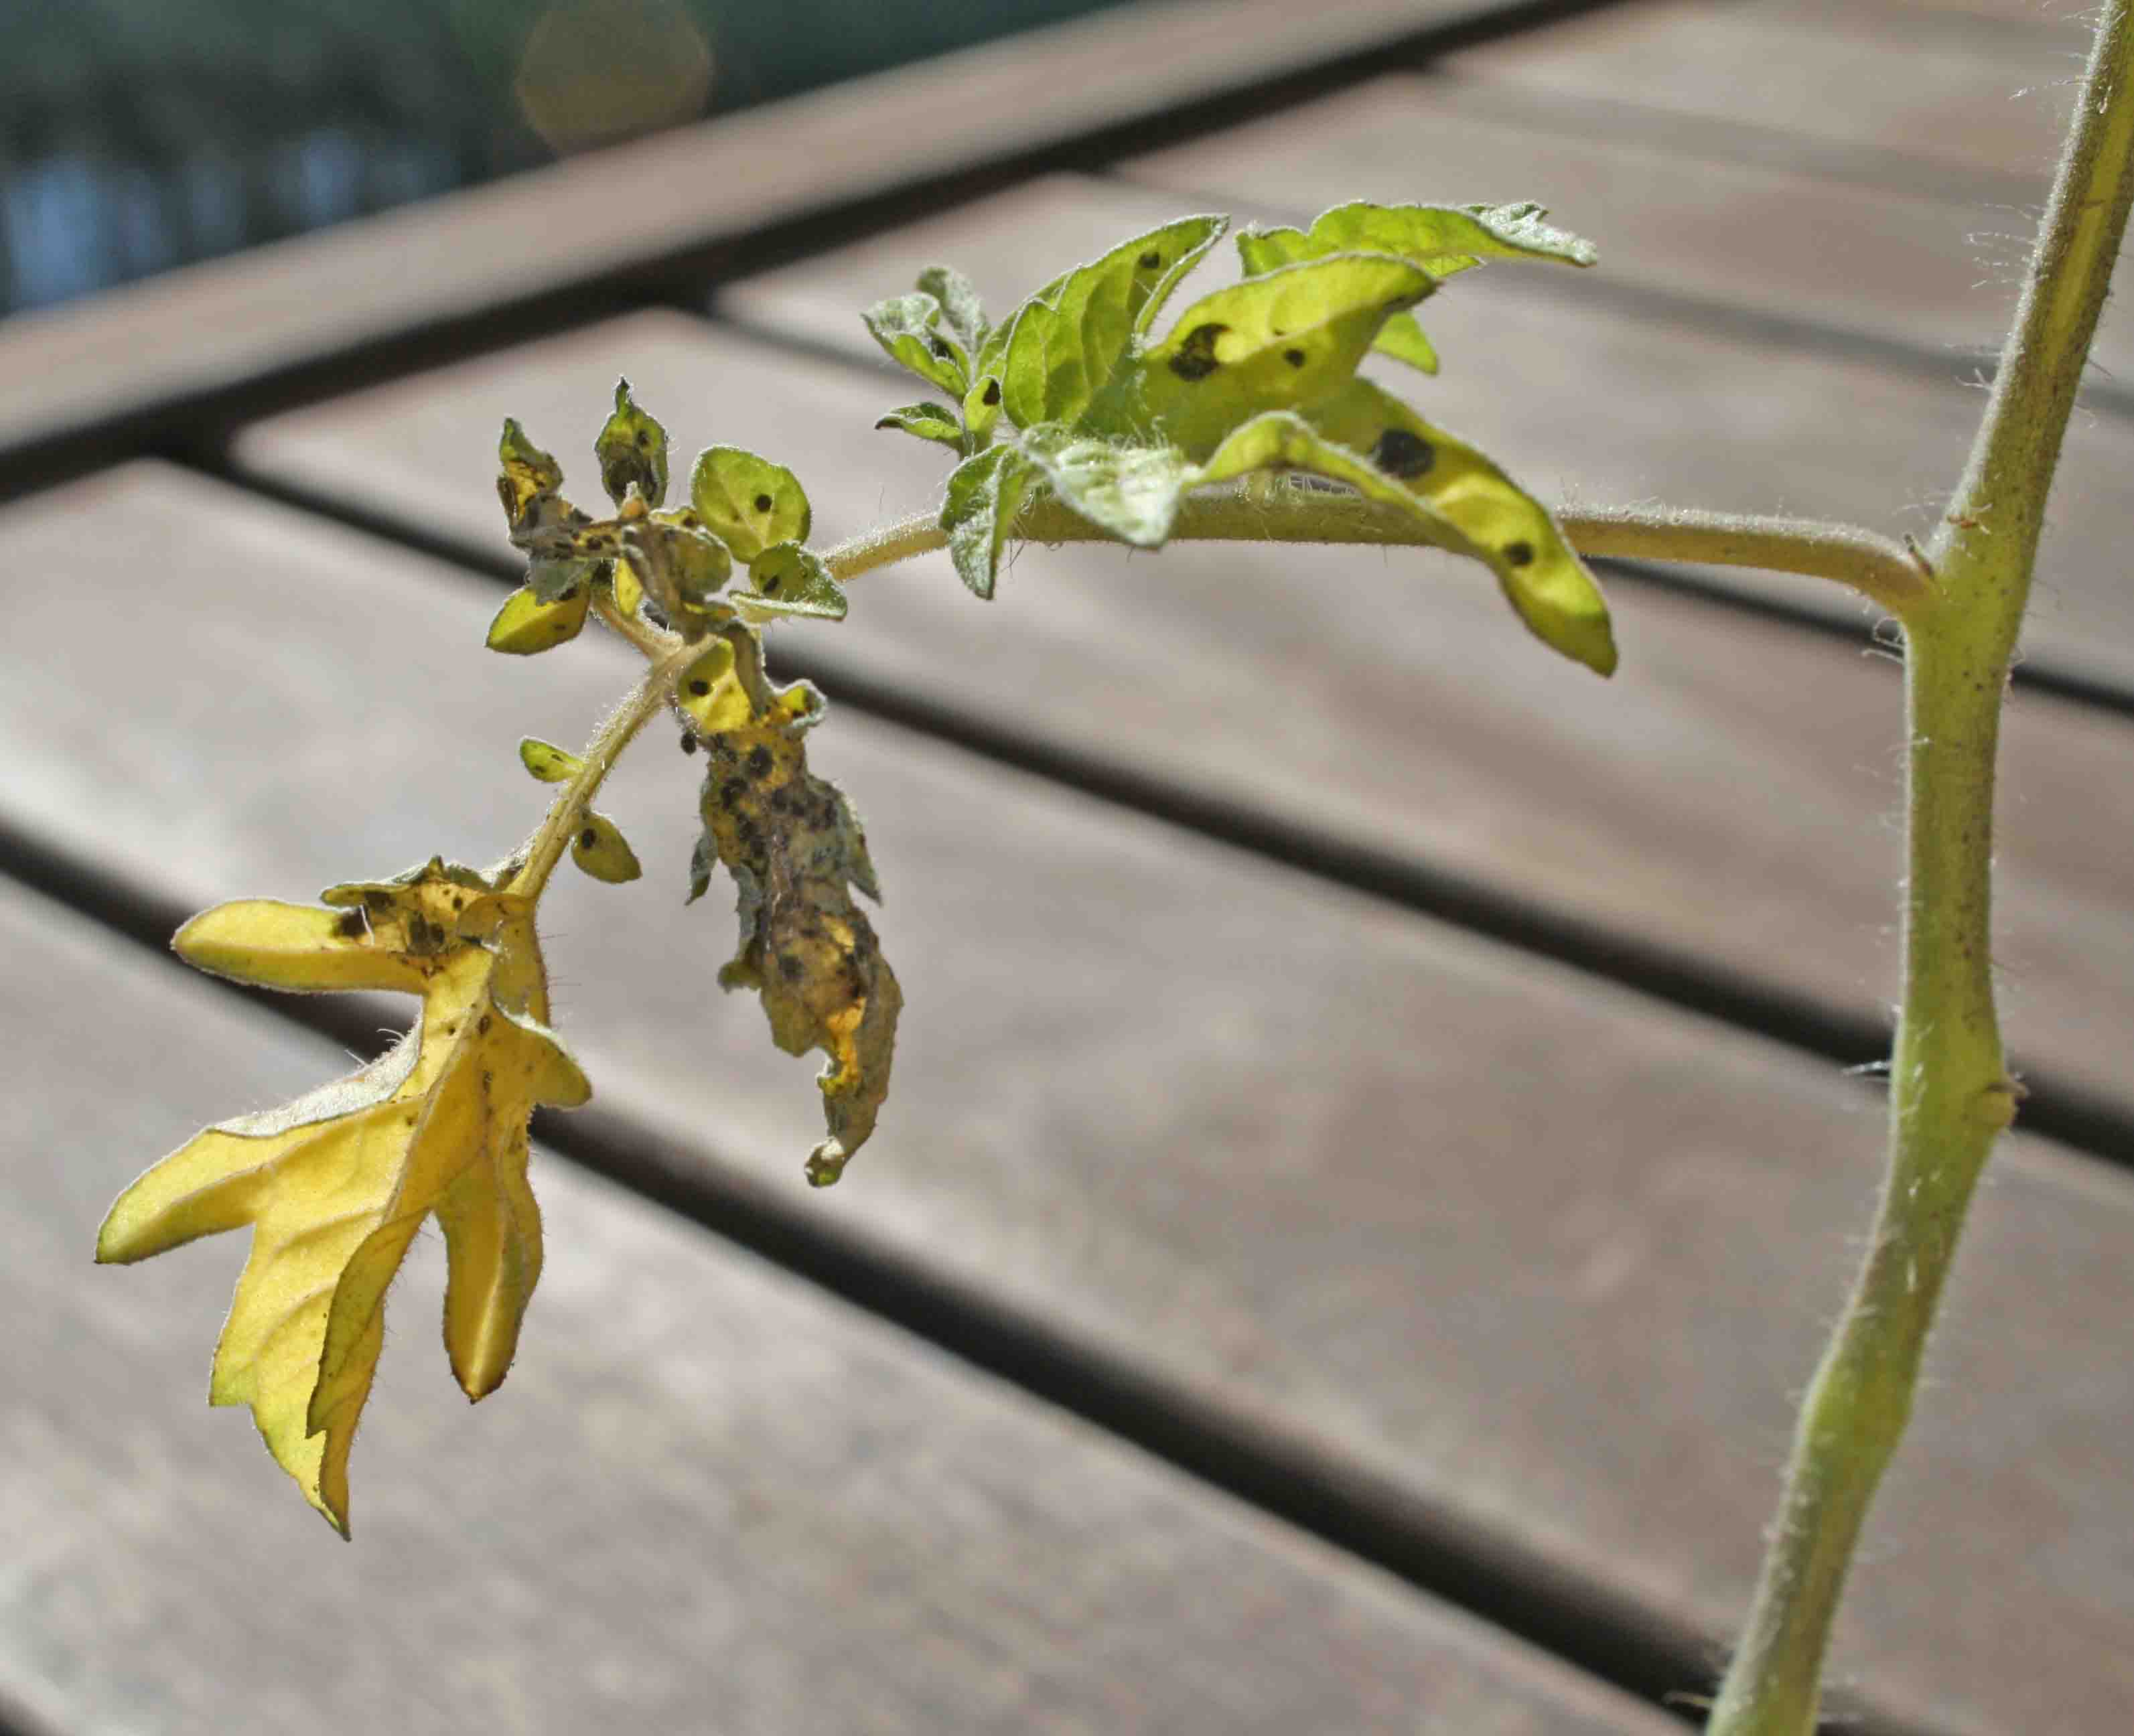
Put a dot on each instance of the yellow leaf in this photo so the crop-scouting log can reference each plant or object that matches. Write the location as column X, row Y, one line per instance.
column 336, row 1185
column 795, row 849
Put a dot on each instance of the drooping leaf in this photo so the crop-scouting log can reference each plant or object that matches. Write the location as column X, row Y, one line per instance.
column 1276, row 341
column 709, row 691
column 928, row 421
column 337, row 1183
column 632, row 450
column 908, row 327
column 525, row 626
column 558, row 579
column 527, row 474
column 748, row 502
column 960, row 310
column 1505, row 526
column 790, row 580
column 600, row 850
column 1069, row 340
column 985, row 494
column 795, row 850
column 550, row 764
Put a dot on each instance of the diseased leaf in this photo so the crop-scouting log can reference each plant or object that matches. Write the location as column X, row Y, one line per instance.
column 632, row 450
column 559, row 579
column 1504, row 527
column 960, row 311
column 711, row 695
column 525, row 626
column 985, row 494
column 928, row 421
column 628, row 589
column 795, row 849
column 749, row 502
column 1070, row 339
column 601, row 850
column 550, row 764
column 681, row 566
column 790, row 580
column 528, row 475
column 1273, row 342
column 909, row 328
column 337, row 1183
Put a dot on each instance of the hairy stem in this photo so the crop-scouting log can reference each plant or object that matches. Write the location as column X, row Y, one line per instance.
column 1876, row 567
column 1950, row 1093
column 567, row 811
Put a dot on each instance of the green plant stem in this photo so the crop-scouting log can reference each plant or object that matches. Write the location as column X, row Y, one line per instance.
column 566, row 812
column 1950, row 1093
column 1878, row 568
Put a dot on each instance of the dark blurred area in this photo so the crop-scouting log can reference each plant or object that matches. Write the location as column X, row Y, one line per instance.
column 136, row 135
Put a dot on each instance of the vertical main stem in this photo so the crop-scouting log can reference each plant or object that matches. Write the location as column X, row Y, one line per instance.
column 1950, row 1094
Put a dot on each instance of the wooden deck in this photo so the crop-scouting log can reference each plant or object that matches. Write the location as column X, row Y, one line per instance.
column 1372, row 1155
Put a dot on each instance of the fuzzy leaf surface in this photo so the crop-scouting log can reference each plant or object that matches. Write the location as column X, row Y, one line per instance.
column 748, row 502
column 787, row 578
column 335, row 1184
column 927, row 420
column 525, row 626
column 985, row 494
column 631, row 447
column 909, row 328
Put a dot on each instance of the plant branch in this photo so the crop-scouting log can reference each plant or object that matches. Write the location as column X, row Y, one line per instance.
column 1950, row 1093
column 1885, row 571
column 567, row 811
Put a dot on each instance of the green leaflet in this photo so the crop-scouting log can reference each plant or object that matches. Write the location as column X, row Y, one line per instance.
column 749, row 502
column 790, row 580
column 1132, row 491
column 1442, row 239
column 525, row 626
column 550, row 764
column 985, row 494
column 601, row 849
column 1276, row 341
column 965, row 318
column 1068, row 340
column 928, row 421
column 557, row 578
column 632, row 450
column 908, row 327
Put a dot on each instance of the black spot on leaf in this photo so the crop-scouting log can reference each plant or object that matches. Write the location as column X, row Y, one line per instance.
column 759, row 760
column 689, row 742
column 1400, row 453
column 1295, row 358
column 1195, row 359
column 763, row 502
column 588, row 837
column 700, row 688
column 351, row 925
column 1149, row 260
column 991, row 395
column 1518, row 554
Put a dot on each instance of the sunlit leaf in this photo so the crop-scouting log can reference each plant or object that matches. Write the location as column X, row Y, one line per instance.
column 789, row 580
column 336, row 1185
column 1442, row 239
column 1505, row 526
column 550, row 764
column 985, row 494
column 525, row 626
column 795, row 850
column 1276, row 341
column 908, row 327
column 628, row 589
column 1132, row 491
column 1070, row 339
column 709, row 693
column 748, row 502
column 632, row 450
column 928, row 421
column 600, row 850
column 528, row 475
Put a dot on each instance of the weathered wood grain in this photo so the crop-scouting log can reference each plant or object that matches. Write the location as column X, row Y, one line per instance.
column 647, row 209
column 708, row 1497
column 1732, row 792
column 1547, row 1257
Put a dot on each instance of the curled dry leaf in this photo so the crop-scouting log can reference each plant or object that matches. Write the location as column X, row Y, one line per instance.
column 336, row 1184
column 795, row 850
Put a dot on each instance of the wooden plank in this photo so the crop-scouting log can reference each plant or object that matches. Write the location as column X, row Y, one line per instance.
column 653, row 209
column 1893, row 79
column 704, row 1484
column 1728, row 794
column 1608, row 402
column 1725, row 215
column 1543, row 1257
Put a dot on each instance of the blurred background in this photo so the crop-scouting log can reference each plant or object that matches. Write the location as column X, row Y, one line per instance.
column 136, row 135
